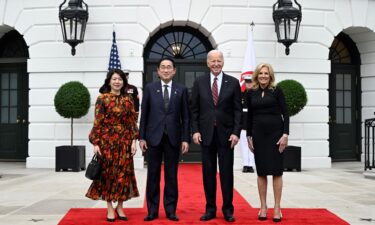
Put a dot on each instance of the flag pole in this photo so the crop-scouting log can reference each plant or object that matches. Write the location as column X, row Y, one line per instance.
column 249, row 58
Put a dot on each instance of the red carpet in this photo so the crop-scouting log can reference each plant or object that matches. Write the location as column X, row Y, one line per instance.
column 192, row 204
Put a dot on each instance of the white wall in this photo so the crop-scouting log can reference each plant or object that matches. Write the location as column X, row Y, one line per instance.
column 224, row 22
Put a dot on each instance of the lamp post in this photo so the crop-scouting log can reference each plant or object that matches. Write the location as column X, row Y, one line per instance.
column 73, row 20
column 287, row 21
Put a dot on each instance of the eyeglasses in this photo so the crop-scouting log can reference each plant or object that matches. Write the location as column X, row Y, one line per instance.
column 165, row 67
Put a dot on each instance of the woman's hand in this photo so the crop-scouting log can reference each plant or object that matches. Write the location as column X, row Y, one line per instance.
column 133, row 148
column 97, row 150
column 283, row 142
column 250, row 143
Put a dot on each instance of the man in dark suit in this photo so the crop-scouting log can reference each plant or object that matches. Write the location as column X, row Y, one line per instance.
column 164, row 127
column 132, row 91
column 216, row 126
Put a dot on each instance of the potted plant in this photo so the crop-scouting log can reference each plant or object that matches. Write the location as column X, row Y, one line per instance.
column 72, row 101
column 296, row 100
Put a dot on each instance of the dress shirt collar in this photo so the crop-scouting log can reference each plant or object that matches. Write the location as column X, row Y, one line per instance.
column 169, row 84
column 219, row 77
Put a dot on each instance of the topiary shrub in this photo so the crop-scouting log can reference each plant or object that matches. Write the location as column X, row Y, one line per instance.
column 295, row 95
column 72, row 100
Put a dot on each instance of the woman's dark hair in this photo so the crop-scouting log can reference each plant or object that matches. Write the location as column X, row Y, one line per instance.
column 106, row 88
column 169, row 59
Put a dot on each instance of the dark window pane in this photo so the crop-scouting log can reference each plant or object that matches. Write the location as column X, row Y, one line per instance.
column 5, row 81
column 339, row 81
column 347, row 98
column 13, row 115
column 5, row 98
column 348, row 116
column 178, row 44
column 348, row 82
column 13, row 81
column 339, row 115
column 189, row 79
column 155, row 76
column 339, row 98
column 4, row 115
column 155, row 55
column 13, row 98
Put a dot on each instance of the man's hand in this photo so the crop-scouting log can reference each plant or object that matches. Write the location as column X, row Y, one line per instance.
column 233, row 139
column 250, row 143
column 184, row 147
column 197, row 138
column 143, row 145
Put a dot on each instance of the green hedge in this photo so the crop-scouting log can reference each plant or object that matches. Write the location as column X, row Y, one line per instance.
column 295, row 95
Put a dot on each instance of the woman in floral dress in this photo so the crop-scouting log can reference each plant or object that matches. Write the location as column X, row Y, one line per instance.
column 113, row 135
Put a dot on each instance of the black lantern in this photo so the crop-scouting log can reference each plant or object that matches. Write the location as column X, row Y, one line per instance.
column 287, row 21
column 73, row 20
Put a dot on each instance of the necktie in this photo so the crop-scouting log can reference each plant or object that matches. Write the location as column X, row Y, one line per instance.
column 166, row 97
column 215, row 94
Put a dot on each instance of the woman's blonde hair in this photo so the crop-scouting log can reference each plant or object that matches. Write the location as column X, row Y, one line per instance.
column 272, row 84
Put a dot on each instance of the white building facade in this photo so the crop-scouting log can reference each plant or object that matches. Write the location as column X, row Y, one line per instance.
column 334, row 59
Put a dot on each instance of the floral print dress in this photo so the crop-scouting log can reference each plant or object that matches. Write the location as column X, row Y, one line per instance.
column 115, row 127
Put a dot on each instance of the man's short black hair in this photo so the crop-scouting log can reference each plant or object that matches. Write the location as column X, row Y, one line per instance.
column 169, row 59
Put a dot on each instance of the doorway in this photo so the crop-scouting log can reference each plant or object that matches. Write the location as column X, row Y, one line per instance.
column 14, row 89
column 188, row 48
column 344, row 100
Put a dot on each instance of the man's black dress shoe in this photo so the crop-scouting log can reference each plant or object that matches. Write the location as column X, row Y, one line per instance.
column 250, row 169
column 229, row 218
column 172, row 217
column 207, row 216
column 150, row 217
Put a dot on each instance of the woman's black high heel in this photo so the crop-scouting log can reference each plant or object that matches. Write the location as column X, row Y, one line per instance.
column 276, row 220
column 121, row 217
column 262, row 218
column 111, row 220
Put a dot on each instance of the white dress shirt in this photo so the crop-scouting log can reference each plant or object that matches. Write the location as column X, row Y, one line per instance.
column 219, row 80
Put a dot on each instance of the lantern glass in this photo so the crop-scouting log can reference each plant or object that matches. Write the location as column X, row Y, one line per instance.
column 287, row 29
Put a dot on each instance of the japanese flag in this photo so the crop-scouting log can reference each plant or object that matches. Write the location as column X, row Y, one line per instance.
column 249, row 61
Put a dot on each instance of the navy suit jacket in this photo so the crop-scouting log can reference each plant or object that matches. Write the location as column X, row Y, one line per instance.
column 154, row 117
column 227, row 112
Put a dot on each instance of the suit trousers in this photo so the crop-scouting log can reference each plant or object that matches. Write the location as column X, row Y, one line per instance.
column 209, row 160
column 154, row 160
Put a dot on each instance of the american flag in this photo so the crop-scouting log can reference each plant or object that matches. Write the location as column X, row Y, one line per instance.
column 114, row 60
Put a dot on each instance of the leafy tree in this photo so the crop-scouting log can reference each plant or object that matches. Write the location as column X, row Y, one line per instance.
column 72, row 100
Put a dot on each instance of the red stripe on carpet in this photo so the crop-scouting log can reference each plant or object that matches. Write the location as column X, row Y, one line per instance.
column 191, row 206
